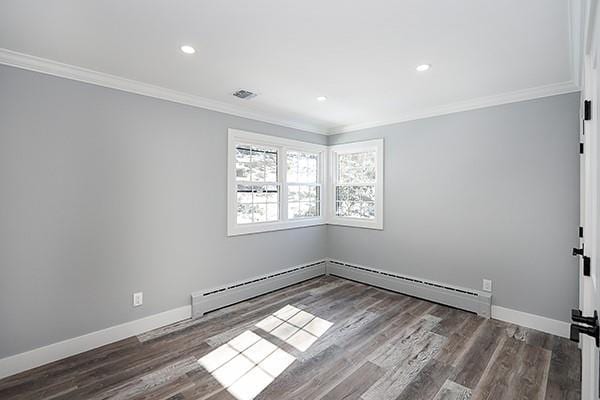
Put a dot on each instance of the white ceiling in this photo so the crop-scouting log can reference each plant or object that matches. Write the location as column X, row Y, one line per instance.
column 360, row 54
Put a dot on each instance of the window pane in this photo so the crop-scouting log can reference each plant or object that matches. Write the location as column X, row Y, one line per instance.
column 242, row 153
column 272, row 212
column 244, row 194
column 260, row 194
column 260, row 212
column 341, row 208
column 242, row 163
column 355, row 201
column 355, row 193
column 369, row 210
column 312, row 168
column 272, row 194
column 302, row 167
column 257, row 203
column 306, row 209
column 293, row 193
column 271, row 167
column 354, row 209
column 244, row 213
column 341, row 193
column 255, row 163
column 292, row 166
column 356, row 167
column 306, row 193
column 367, row 193
column 258, row 166
column 293, row 210
column 365, row 210
column 304, row 201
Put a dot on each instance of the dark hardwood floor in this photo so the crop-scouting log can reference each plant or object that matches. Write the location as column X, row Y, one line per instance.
column 326, row 338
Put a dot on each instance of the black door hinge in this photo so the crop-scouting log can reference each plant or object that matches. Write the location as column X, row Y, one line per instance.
column 587, row 110
column 581, row 231
column 580, row 148
column 577, row 316
column 587, row 262
column 587, row 266
column 590, row 326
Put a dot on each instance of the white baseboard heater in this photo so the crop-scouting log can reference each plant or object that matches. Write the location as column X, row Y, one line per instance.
column 465, row 299
column 213, row 299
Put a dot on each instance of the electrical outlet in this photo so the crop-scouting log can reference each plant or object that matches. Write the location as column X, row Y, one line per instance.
column 138, row 299
column 487, row 285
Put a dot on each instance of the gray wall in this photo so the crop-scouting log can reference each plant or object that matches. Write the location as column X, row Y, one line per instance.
column 490, row 193
column 104, row 193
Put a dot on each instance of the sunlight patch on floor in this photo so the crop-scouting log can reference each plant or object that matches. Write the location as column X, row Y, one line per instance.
column 295, row 327
column 247, row 364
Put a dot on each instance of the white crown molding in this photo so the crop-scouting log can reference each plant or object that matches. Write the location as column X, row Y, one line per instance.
column 43, row 355
column 481, row 102
column 50, row 67
column 55, row 68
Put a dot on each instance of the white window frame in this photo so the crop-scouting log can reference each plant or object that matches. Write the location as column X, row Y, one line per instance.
column 357, row 147
column 236, row 137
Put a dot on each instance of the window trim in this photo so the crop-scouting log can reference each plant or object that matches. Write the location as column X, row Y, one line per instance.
column 369, row 145
column 236, row 136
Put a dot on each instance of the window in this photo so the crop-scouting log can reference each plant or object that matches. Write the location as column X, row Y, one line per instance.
column 256, row 183
column 304, row 190
column 274, row 183
column 357, row 172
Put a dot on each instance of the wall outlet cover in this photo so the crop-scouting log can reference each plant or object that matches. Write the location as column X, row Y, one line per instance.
column 487, row 285
column 138, row 299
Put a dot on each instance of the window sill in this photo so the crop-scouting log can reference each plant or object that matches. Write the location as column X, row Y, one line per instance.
column 282, row 226
column 356, row 223
column 273, row 226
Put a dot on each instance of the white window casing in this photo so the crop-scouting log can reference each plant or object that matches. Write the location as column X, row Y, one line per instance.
column 282, row 146
column 271, row 201
column 366, row 210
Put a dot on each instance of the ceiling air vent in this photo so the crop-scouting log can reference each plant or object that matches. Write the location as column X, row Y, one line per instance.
column 244, row 94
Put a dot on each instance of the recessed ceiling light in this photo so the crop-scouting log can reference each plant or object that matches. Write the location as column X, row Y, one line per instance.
column 423, row 67
column 188, row 49
column 321, row 98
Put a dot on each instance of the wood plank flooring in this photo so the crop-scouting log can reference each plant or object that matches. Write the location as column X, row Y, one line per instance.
column 327, row 338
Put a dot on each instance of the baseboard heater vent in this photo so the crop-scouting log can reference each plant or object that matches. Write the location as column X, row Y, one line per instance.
column 466, row 299
column 212, row 299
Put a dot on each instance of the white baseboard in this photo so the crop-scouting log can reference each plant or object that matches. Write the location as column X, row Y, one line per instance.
column 56, row 351
column 34, row 358
column 533, row 321
column 423, row 289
